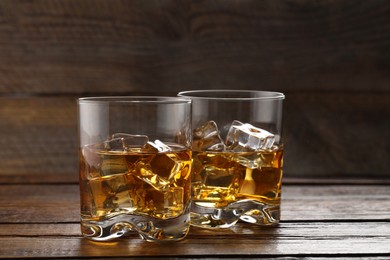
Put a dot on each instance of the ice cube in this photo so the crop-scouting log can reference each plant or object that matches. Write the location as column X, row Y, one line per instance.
column 206, row 137
column 219, row 177
column 123, row 201
column 116, row 144
column 156, row 146
column 246, row 137
column 214, row 169
column 164, row 204
column 110, row 194
column 218, row 184
column 173, row 199
column 249, row 160
column 101, row 162
column 166, row 165
column 256, row 160
column 109, row 157
column 144, row 172
column 125, row 142
column 113, row 164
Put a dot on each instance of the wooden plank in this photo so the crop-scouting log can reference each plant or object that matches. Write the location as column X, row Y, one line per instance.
column 333, row 202
column 39, row 203
column 60, row 203
column 240, row 230
column 34, row 229
column 337, row 134
column 289, row 239
column 332, row 181
column 327, row 135
column 40, row 136
column 126, row 46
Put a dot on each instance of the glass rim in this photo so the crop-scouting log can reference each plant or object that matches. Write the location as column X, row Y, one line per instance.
column 217, row 94
column 135, row 99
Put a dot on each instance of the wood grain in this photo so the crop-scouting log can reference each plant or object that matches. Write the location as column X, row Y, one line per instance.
column 40, row 139
column 357, row 239
column 45, row 229
column 340, row 221
column 60, row 203
column 335, row 202
column 240, row 230
column 167, row 46
column 337, row 134
column 39, row 203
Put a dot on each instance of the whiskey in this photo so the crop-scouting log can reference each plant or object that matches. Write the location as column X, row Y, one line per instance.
column 127, row 189
column 228, row 186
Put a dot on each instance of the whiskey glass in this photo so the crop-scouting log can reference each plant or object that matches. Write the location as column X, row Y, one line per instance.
column 134, row 167
column 237, row 157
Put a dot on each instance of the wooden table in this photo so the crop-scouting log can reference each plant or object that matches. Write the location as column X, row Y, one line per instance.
column 320, row 218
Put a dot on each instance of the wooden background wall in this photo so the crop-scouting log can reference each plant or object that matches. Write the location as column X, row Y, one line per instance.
column 331, row 58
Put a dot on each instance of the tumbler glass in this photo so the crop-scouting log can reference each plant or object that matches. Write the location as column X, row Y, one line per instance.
column 237, row 157
column 134, row 165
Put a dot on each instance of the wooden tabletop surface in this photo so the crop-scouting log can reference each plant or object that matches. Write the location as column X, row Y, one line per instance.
column 320, row 218
column 330, row 58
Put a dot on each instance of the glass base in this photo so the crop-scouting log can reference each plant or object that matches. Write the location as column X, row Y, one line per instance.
column 149, row 228
column 250, row 211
